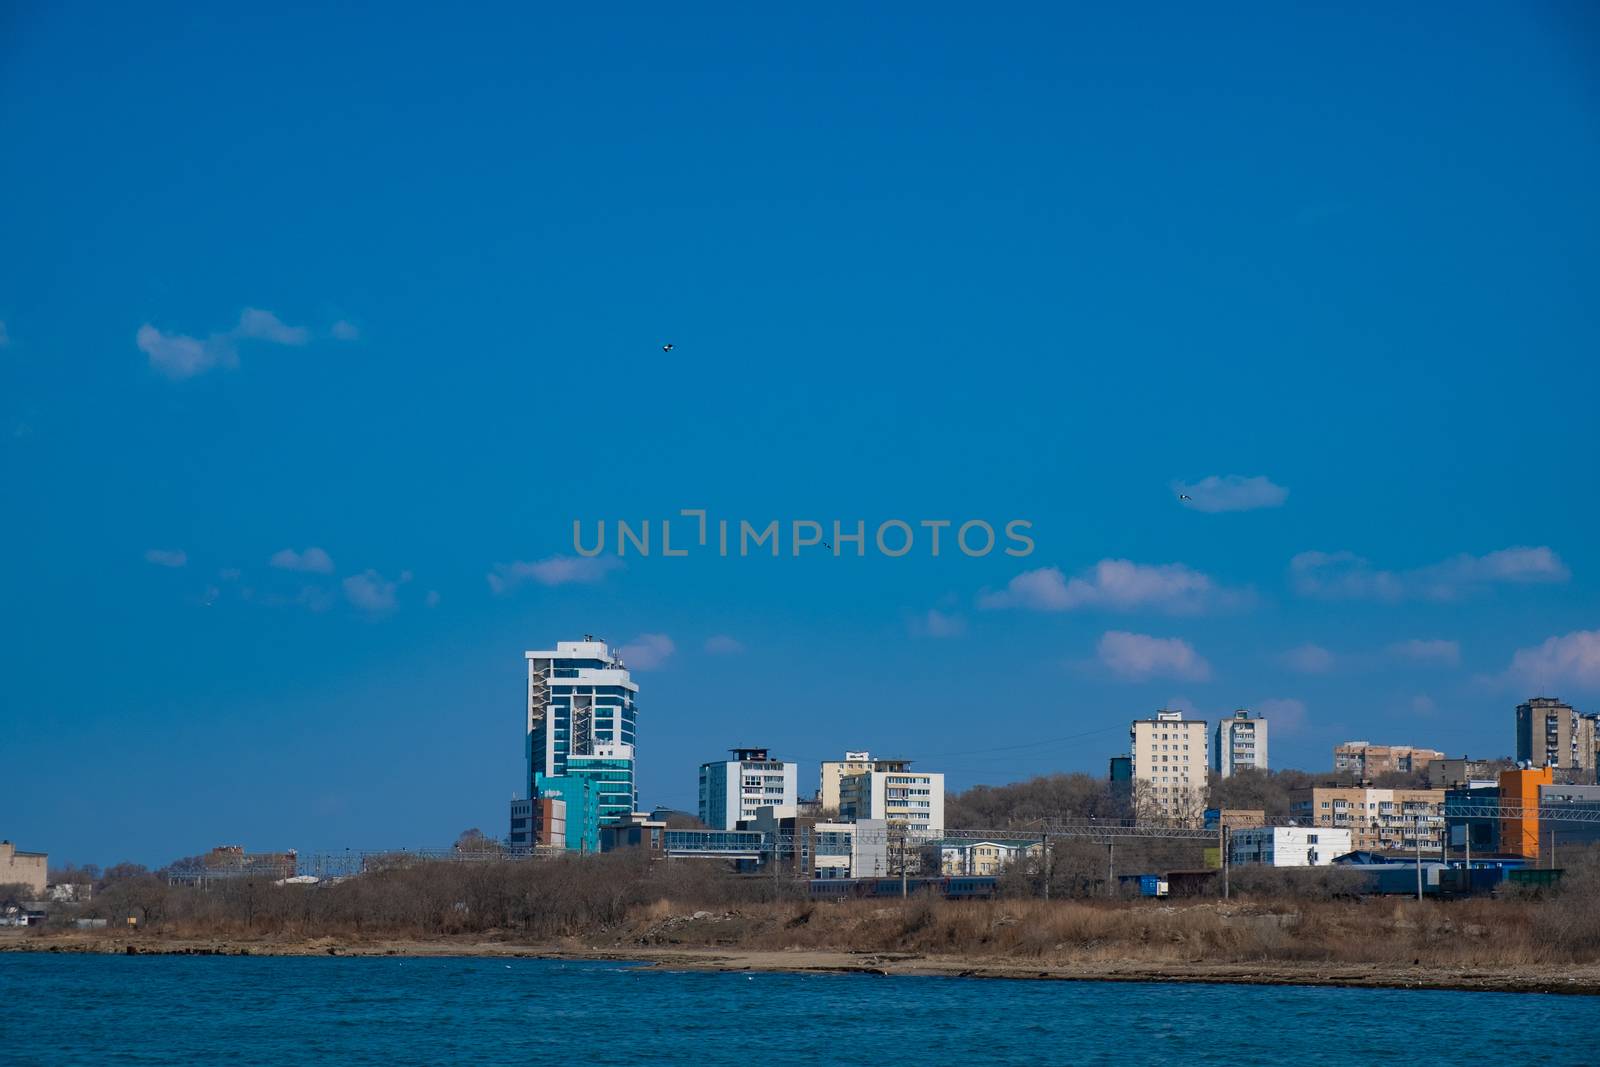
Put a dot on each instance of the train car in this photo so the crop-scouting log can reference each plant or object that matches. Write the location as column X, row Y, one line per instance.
column 956, row 888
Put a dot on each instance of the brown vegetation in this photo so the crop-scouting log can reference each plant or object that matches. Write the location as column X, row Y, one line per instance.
column 623, row 902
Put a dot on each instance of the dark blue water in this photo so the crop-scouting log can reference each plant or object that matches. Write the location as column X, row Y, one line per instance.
column 67, row 1009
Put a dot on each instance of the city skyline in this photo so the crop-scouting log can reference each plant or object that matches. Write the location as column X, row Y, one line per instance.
column 1292, row 387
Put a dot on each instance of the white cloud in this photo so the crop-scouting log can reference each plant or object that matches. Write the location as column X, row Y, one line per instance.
column 1569, row 660
column 313, row 560
column 344, row 330
column 554, row 570
column 258, row 325
column 647, row 651
column 372, row 592
column 1118, row 584
column 1285, row 716
column 1446, row 653
column 723, row 645
column 1309, row 659
column 166, row 557
column 936, row 623
column 1422, row 704
column 1232, row 492
column 432, row 599
column 178, row 355
column 1140, row 656
column 1347, row 576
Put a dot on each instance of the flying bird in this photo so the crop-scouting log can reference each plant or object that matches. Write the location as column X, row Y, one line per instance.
column 1185, row 496
column 666, row 347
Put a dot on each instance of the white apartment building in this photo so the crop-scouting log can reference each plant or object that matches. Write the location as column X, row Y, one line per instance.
column 734, row 790
column 1169, row 767
column 1287, row 846
column 1239, row 743
column 900, row 796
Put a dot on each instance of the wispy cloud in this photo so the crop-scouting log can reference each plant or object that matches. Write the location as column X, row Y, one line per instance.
column 372, row 592
column 1309, row 659
column 1139, row 656
column 723, row 645
column 344, row 330
column 554, row 570
column 5, row 338
column 647, row 652
column 1116, row 584
column 166, row 557
column 313, row 560
column 936, row 623
column 1347, row 576
column 1230, row 492
column 1444, row 653
column 258, row 325
column 1286, row 716
column 179, row 355
column 1568, row 660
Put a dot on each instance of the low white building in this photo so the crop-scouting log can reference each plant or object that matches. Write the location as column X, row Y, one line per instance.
column 1287, row 846
column 823, row 849
column 986, row 858
column 732, row 791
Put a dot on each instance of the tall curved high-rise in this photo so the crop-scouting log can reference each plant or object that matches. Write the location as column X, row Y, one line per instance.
column 581, row 729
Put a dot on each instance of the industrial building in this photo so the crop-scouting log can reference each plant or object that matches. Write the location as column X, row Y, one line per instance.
column 1287, row 846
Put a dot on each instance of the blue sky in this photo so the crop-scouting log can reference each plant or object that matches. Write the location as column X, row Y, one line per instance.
column 393, row 286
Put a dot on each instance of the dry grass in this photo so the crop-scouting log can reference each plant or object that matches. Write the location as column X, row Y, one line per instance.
column 1377, row 931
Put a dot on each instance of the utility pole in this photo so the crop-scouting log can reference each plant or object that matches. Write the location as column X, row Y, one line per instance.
column 905, row 889
column 1224, row 860
column 1045, row 838
column 1111, row 868
column 1419, row 856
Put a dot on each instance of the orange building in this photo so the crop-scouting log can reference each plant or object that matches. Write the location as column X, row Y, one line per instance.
column 1520, row 789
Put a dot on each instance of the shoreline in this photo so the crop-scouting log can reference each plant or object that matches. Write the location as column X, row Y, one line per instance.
column 1582, row 980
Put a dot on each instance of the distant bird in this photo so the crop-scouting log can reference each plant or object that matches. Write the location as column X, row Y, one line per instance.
column 666, row 347
column 1185, row 496
column 827, row 546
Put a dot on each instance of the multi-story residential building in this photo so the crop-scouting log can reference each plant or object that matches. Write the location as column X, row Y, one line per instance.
column 1366, row 760
column 581, row 721
column 1379, row 820
column 905, row 799
column 734, row 790
column 835, row 771
column 1239, row 743
column 1288, row 846
column 1169, row 767
column 23, row 868
column 1551, row 734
